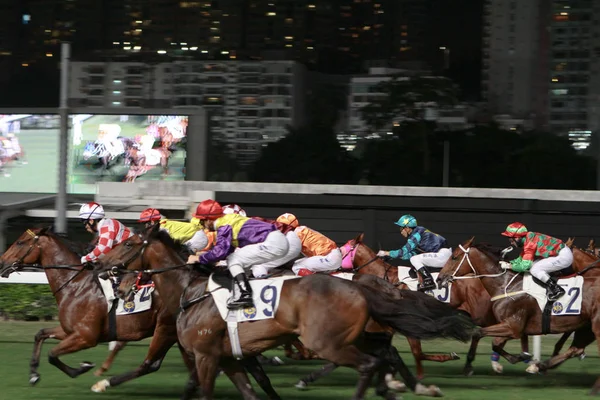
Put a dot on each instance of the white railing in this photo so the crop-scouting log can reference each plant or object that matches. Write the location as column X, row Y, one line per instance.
column 31, row 278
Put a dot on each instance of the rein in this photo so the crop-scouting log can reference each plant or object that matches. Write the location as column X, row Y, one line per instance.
column 352, row 253
column 466, row 256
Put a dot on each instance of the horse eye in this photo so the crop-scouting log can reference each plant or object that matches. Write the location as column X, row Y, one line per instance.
column 454, row 258
column 19, row 243
column 128, row 244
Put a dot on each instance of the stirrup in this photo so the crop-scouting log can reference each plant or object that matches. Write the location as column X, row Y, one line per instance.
column 425, row 286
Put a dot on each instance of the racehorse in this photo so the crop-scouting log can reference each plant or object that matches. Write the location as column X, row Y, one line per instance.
column 519, row 315
column 141, row 162
column 104, row 156
column 329, row 313
column 83, row 311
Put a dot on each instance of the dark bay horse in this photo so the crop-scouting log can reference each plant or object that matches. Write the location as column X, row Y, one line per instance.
column 83, row 310
column 519, row 314
column 329, row 313
column 468, row 296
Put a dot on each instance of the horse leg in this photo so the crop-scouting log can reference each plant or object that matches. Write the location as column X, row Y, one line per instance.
column 40, row 337
column 257, row 371
column 561, row 342
column 412, row 383
column 583, row 338
column 596, row 329
column 314, row 376
column 71, row 344
column 162, row 341
column 236, row 373
column 434, row 357
column 498, row 347
column 110, row 359
column 468, row 370
column 206, row 368
column 417, row 352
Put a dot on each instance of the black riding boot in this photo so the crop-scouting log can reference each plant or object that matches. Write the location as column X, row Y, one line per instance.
column 242, row 293
column 555, row 291
column 428, row 283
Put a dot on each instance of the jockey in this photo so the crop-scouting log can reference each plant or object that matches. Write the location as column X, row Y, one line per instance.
column 257, row 241
column 551, row 253
column 423, row 248
column 286, row 224
column 190, row 235
column 110, row 231
column 321, row 253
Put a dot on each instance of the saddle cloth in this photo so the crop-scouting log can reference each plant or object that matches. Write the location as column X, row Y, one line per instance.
column 141, row 302
column 265, row 293
column 344, row 275
column 442, row 295
column 567, row 304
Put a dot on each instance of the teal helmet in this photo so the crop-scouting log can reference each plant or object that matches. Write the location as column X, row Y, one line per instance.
column 407, row 221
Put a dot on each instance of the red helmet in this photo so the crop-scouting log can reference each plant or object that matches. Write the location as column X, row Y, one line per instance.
column 208, row 209
column 515, row 230
column 150, row 214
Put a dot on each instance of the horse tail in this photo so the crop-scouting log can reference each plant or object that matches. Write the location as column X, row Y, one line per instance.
column 417, row 315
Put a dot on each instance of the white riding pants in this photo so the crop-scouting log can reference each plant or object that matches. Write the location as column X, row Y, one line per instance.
column 329, row 262
column 294, row 249
column 197, row 242
column 541, row 268
column 436, row 260
column 273, row 248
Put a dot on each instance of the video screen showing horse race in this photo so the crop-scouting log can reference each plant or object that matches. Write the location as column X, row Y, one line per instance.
column 29, row 153
column 126, row 148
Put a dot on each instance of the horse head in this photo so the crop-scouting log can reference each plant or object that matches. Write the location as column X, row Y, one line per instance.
column 459, row 264
column 25, row 251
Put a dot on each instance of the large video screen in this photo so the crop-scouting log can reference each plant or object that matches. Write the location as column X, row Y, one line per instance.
column 115, row 148
column 29, row 153
column 125, row 148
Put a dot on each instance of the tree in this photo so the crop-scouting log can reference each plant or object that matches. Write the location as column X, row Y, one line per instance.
column 405, row 101
column 307, row 155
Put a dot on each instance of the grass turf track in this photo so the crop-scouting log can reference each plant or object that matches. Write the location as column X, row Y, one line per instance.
column 571, row 381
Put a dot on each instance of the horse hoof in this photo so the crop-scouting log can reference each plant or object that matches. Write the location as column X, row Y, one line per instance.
column 454, row 356
column 99, row 372
column 524, row 356
column 582, row 356
column 468, row 371
column 301, row 385
column 497, row 367
column 87, row 365
column 34, row 378
column 431, row 391
column 101, row 386
column 533, row 369
column 396, row 386
column 276, row 361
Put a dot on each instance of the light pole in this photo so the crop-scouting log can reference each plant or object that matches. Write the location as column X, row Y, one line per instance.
column 60, row 222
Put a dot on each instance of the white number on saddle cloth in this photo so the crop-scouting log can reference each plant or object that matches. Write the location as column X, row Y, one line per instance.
column 141, row 302
column 344, row 275
column 265, row 293
column 442, row 295
column 567, row 304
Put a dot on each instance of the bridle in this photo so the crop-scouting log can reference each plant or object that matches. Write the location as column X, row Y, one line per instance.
column 466, row 252
column 351, row 252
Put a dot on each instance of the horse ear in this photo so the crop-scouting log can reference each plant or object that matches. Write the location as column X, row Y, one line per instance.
column 570, row 242
column 592, row 244
column 469, row 242
column 359, row 238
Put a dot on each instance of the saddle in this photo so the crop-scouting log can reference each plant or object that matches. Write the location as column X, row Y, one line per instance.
column 432, row 270
column 561, row 273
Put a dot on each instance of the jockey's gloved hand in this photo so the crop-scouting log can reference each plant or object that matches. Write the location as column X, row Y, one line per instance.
column 383, row 253
column 505, row 265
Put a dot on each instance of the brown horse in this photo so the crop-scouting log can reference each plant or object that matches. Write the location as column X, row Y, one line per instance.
column 468, row 296
column 83, row 312
column 519, row 313
column 329, row 313
column 139, row 163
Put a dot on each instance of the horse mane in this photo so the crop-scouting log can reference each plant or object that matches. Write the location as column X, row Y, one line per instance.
column 164, row 237
column 491, row 251
column 76, row 247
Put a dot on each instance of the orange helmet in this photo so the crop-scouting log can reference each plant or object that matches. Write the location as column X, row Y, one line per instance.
column 288, row 219
column 208, row 209
column 150, row 214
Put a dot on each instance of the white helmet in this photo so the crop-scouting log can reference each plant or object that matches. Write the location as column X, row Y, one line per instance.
column 91, row 211
column 234, row 209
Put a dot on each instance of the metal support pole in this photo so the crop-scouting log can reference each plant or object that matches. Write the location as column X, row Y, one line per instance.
column 60, row 223
column 446, row 173
column 537, row 348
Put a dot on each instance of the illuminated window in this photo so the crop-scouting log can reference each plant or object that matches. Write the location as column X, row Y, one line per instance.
column 271, row 14
column 25, row 19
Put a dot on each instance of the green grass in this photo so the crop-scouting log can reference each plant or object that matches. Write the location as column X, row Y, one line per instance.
column 572, row 381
